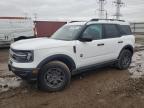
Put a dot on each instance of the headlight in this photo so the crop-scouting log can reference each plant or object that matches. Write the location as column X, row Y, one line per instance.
column 21, row 56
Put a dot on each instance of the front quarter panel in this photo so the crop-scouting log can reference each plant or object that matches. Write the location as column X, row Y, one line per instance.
column 43, row 54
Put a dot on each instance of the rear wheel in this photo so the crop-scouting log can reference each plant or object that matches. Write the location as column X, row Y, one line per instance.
column 54, row 76
column 124, row 59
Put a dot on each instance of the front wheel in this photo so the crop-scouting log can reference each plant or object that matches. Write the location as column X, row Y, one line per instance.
column 54, row 76
column 124, row 59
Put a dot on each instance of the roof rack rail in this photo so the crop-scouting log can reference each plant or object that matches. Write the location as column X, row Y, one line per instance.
column 75, row 21
column 107, row 20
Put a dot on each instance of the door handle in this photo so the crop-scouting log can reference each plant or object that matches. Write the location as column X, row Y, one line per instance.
column 120, row 41
column 102, row 44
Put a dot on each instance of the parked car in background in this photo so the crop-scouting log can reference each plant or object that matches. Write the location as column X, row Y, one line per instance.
column 15, row 28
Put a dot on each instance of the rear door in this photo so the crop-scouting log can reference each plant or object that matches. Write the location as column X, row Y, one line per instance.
column 111, row 38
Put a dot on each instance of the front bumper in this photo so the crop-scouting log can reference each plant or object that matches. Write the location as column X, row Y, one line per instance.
column 26, row 74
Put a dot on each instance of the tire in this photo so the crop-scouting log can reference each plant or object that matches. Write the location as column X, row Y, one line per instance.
column 124, row 59
column 54, row 76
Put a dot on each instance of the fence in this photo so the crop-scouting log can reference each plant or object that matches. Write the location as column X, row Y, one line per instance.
column 137, row 28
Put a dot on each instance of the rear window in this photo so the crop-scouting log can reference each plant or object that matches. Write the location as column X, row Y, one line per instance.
column 125, row 30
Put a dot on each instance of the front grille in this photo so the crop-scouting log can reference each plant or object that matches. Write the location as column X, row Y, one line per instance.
column 13, row 54
column 21, row 56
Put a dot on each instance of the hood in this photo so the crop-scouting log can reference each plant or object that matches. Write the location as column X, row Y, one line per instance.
column 38, row 43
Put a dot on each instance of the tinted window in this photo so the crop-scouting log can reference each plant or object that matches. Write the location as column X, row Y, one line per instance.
column 94, row 31
column 111, row 31
column 125, row 30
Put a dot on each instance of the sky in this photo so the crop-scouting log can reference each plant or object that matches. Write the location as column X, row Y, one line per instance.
column 70, row 9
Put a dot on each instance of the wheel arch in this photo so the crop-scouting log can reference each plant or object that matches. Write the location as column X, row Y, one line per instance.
column 59, row 57
column 128, row 47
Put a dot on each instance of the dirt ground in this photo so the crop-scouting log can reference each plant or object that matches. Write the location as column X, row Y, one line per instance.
column 101, row 88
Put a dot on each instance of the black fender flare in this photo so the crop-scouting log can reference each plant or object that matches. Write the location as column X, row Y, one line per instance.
column 129, row 47
column 60, row 57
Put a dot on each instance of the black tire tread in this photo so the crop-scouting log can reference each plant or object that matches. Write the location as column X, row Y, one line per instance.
column 118, row 64
column 41, row 84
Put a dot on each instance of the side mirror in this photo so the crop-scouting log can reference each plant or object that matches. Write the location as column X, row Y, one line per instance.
column 86, row 39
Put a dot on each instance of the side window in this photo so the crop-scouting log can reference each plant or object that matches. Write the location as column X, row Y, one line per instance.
column 94, row 31
column 125, row 30
column 111, row 31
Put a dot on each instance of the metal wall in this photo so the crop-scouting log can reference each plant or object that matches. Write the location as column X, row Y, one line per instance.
column 47, row 28
column 137, row 28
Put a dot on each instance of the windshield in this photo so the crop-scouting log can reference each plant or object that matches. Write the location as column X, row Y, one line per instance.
column 67, row 32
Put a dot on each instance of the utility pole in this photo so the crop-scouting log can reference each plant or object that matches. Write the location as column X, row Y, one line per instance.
column 118, row 4
column 35, row 28
column 101, row 8
column 35, row 16
column 106, row 14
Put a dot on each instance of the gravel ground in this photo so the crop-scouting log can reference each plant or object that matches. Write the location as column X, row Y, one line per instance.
column 101, row 88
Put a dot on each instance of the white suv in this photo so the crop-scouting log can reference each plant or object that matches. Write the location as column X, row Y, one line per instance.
column 74, row 47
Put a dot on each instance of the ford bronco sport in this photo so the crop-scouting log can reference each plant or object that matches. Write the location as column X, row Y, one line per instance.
column 74, row 47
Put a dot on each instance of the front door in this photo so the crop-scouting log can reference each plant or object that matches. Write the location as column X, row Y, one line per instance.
column 99, row 50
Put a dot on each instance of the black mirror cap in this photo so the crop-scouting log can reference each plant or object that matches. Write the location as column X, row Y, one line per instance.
column 85, row 39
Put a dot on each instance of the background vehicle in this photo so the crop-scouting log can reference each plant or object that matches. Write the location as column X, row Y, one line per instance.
column 74, row 47
column 18, row 28
column 15, row 28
